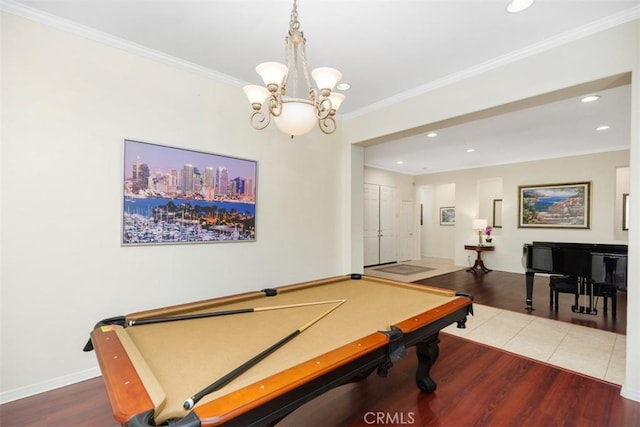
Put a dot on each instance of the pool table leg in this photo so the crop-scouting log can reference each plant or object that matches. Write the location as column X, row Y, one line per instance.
column 427, row 352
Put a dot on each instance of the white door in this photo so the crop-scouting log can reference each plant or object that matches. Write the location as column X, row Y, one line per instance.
column 388, row 235
column 371, row 224
column 407, row 238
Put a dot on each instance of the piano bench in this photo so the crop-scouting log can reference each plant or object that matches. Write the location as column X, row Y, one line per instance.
column 562, row 284
column 569, row 285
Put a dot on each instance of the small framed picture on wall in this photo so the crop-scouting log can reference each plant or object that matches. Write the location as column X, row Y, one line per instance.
column 448, row 215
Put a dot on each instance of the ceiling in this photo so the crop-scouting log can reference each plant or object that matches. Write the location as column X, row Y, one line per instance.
column 387, row 51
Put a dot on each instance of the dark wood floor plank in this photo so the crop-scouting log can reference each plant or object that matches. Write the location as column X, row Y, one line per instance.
column 477, row 386
column 81, row 404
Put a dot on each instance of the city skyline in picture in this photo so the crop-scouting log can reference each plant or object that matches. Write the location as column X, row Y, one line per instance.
column 152, row 170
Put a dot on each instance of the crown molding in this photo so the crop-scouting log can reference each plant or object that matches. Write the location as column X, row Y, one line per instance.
column 41, row 17
column 542, row 46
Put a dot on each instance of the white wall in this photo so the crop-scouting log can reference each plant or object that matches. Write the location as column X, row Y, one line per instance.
column 355, row 200
column 622, row 187
column 472, row 191
column 599, row 169
column 489, row 189
column 67, row 102
column 631, row 387
column 437, row 240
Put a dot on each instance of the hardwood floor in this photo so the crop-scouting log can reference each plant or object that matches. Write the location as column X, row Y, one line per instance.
column 477, row 385
column 507, row 291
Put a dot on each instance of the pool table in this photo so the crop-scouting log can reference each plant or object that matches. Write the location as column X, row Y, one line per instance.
column 354, row 325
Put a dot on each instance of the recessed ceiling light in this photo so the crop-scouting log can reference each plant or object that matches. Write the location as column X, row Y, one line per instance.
column 470, row 150
column 432, row 134
column 343, row 86
column 399, row 162
column 604, row 127
column 516, row 6
column 590, row 98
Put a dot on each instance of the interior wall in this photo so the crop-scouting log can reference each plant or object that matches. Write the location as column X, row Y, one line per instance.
column 631, row 387
column 355, row 200
column 437, row 240
column 622, row 187
column 599, row 169
column 426, row 219
column 67, row 102
column 489, row 190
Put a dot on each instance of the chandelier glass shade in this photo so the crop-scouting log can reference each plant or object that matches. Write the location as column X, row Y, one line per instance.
column 298, row 117
column 280, row 97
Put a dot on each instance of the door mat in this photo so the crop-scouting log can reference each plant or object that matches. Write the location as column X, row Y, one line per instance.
column 404, row 269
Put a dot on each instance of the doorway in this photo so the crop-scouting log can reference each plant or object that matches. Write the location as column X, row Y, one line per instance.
column 380, row 243
column 407, row 232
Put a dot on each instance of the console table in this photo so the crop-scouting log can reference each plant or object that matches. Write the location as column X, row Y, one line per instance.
column 479, row 265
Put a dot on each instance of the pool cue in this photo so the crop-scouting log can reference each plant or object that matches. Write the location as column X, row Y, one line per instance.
column 190, row 403
column 152, row 320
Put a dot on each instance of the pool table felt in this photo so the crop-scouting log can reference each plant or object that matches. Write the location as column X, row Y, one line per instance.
column 181, row 358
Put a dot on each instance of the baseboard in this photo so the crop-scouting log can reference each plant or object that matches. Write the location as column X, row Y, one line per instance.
column 630, row 394
column 41, row 387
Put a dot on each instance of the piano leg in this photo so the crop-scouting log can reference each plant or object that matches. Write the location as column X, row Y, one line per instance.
column 529, row 277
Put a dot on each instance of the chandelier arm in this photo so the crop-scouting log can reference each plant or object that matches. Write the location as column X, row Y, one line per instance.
column 275, row 105
column 324, row 109
column 327, row 125
column 259, row 121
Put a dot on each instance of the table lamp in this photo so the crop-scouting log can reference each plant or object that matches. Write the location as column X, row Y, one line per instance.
column 480, row 225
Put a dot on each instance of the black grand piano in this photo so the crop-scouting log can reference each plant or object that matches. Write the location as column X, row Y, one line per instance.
column 594, row 266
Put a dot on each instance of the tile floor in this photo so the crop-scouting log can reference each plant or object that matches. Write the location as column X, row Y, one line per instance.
column 592, row 352
column 596, row 353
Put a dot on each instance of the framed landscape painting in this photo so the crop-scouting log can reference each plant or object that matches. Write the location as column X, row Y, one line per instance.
column 447, row 216
column 174, row 195
column 555, row 205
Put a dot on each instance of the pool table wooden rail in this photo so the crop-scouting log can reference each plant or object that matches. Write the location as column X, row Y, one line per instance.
column 127, row 393
column 134, row 393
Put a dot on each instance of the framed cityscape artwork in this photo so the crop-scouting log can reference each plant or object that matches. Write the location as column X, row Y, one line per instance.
column 554, row 205
column 175, row 195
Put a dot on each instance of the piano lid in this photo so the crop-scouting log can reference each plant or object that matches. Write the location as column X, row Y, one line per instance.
column 588, row 247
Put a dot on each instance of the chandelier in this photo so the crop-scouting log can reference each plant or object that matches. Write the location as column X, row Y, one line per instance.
column 280, row 98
